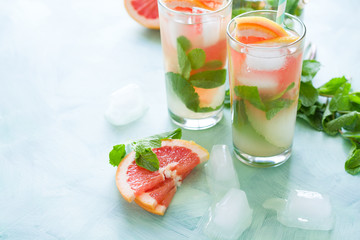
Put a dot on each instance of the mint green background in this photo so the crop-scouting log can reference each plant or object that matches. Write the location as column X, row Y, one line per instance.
column 60, row 61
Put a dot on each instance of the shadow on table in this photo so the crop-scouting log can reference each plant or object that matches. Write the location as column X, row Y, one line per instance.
column 151, row 35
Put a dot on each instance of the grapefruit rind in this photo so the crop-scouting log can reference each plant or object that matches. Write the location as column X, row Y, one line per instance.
column 199, row 150
column 121, row 182
column 279, row 40
column 145, row 200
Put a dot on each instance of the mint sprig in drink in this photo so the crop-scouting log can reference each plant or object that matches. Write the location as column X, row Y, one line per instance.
column 264, row 67
column 193, row 37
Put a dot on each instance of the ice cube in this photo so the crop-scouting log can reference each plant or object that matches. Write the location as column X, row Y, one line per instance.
column 126, row 105
column 230, row 217
column 267, row 84
column 270, row 60
column 303, row 209
column 211, row 31
column 220, row 172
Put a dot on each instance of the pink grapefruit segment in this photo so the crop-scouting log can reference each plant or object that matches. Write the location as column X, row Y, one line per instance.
column 154, row 191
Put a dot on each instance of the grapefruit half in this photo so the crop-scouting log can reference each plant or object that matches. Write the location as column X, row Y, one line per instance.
column 154, row 191
column 144, row 12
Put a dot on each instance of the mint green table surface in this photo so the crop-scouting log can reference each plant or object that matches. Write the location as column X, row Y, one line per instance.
column 60, row 61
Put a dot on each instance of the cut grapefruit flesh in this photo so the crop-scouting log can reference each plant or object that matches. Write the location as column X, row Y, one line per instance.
column 254, row 29
column 154, row 191
column 144, row 12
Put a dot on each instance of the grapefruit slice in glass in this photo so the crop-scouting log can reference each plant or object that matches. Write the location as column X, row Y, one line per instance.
column 154, row 191
column 254, row 29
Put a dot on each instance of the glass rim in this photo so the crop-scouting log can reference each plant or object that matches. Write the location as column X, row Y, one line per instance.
column 195, row 14
column 268, row 47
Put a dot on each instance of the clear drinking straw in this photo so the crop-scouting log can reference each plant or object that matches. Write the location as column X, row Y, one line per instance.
column 280, row 12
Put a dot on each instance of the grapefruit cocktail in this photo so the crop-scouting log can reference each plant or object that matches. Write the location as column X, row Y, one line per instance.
column 193, row 37
column 265, row 61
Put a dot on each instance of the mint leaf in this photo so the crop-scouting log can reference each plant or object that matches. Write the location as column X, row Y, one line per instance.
column 271, row 107
column 352, row 164
column 117, row 154
column 309, row 70
column 279, row 95
column 275, row 106
column 308, row 94
column 355, row 97
column 197, row 58
column 312, row 115
column 239, row 118
column 209, row 109
column 341, row 100
column 250, row 94
column 330, row 88
column 147, row 143
column 184, row 43
column 328, row 116
column 214, row 64
column 183, row 60
column 349, row 121
column 184, row 90
column 147, row 159
column 176, row 134
column 209, row 79
column 227, row 99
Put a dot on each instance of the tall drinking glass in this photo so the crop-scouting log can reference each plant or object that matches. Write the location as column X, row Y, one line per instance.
column 193, row 38
column 264, row 88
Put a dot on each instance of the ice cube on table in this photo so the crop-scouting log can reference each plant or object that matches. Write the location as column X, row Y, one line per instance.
column 230, row 217
column 303, row 209
column 220, row 172
column 126, row 105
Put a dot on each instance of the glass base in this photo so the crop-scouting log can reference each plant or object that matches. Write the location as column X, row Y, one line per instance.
column 256, row 161
column 197, row 124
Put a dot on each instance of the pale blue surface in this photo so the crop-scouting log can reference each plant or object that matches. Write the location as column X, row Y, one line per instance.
column 60, row 61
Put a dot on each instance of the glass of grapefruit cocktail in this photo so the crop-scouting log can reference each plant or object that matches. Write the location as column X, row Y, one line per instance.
column 265, row 61
column 193, row 38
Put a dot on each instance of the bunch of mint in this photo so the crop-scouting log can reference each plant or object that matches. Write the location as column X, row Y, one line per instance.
column 332, row 108
column 183, row 83
column 144, row 157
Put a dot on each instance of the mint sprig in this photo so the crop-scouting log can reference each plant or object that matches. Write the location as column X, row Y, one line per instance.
column 183, row 84
column 144, row 156
column 270, row 106
column 339, row 113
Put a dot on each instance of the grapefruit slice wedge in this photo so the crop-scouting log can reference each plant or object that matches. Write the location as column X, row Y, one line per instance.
column 144, row 12
column 254, row 29
column 153, row 191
